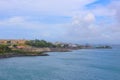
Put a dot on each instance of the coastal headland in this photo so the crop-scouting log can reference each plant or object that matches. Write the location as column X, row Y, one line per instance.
column 17, row 48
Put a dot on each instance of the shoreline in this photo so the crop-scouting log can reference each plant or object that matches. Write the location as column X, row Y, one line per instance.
column 9, row 55
column 38, row 52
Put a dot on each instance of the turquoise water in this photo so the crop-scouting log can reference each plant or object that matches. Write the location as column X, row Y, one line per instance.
column 83, row 64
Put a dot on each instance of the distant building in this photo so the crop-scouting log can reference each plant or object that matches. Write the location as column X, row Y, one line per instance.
column 12, row 42
column 72, row 45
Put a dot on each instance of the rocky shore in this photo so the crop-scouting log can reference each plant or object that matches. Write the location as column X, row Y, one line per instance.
column 8, row 55
column 39, row 51
column 32, row 52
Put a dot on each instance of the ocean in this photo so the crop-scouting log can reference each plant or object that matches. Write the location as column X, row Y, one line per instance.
column 84, row 64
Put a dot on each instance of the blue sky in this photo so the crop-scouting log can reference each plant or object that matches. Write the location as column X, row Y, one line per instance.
column 76, row 21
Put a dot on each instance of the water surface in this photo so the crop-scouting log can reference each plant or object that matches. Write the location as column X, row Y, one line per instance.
column 92, row 64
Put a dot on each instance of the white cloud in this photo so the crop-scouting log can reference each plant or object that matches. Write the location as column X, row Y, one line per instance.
column 13, row 20
column 19, row 26
column 16, row 19
column 83, row 26
column 90, row 17
column 61, row 7
column 105, row 31
column 82, row 19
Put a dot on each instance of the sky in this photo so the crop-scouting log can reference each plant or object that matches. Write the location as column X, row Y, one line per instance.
column 76, row 21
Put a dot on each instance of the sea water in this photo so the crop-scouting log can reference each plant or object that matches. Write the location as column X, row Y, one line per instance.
column 84, row 64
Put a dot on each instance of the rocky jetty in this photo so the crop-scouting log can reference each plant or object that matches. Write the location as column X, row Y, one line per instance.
column 103, row 47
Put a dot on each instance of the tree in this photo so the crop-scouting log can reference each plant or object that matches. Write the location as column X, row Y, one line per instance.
column 4, row 48
column 39, row 43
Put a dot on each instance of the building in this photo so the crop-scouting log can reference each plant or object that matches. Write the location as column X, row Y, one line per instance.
column 12, row 42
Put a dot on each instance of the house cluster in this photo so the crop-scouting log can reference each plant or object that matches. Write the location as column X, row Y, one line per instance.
column 14, row 43
column 66, row 45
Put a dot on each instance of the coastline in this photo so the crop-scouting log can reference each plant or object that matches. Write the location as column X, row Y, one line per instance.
column 9, row 55
column 32, row 52
column 39, row 51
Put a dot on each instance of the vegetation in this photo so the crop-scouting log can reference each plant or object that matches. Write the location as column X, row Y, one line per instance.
column 31, row 48
column 4, row 48
column 43, row 43
column 39, row 43
column 25, row 52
